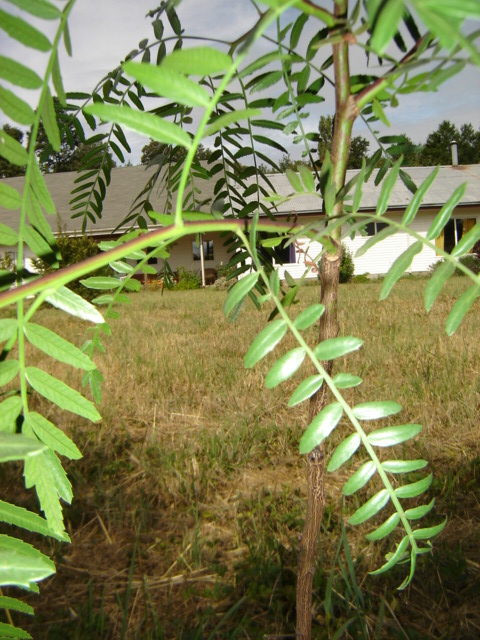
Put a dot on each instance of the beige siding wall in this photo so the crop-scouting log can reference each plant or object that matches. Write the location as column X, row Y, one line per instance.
column 181, row 254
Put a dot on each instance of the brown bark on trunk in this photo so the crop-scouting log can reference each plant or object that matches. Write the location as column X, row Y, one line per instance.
column 345, row 114
column 316, row 459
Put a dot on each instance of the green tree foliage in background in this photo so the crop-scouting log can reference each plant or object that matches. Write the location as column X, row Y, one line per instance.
column 358, row 145
column 157, row 153
column 74, row 150
column 7, row 168
column 437, row 150
column 226, row 87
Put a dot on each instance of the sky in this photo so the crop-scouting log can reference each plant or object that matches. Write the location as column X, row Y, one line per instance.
column 104, row 31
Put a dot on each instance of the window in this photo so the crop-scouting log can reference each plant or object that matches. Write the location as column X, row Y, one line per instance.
column 284, row 254
column 372, row 228
column 207, row 250
column 453, row 231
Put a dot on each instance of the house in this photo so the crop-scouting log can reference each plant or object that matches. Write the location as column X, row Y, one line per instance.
column 120, row 201
column 381, row 256
column 198, row 254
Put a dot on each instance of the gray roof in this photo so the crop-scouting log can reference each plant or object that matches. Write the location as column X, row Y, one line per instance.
column 128, row 182
column 447, row 180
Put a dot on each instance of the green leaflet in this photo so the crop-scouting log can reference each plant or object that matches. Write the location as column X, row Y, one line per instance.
column 360, row 478
column 344, row 451
column 101, row 282
column 8, row 329
column 18, row 74
column 49, row 119
column 8, row 200
column 38, row 244
column 265, row 342
column 390, row 436
column 168, row 83
column 143, row 123
column 61, row 394
column 386, row 24
column 337, row 347
column 414, row 489
column 467, row 241
column 9, row 411
column 39, row 8
column 8, row 371
column 419, row 512
column 346, row 380
column 37, row 219
column 22, row 565
column 16, row 446
column 52, row 436
column 307, row 178
column 121, row 267
column 12, row 150
column 308, row 317
column 264, row 81
column 37, row 474
column 376, row 410
column 41, row 191
column 460, row 308
column 20, row 517
column 294, row 180
column 416, row 201
column 226, row 119
column 24, row 32
column 321, row 427
column 57, row 347
column 197, row 61
column 370, row 508
column 75, row 305
column 445, row 212
column 306, row 389
column 238, row 292
column 436, row 282
column 429, row 532
column 60, row 478
column 388, row 184
column 263, row 61
column 16, row 108
column 398, row 268
column 403, row 466
column 373, row 240
column 13, row 604
column 57, row 81
column 285, row 367
column 393, row 558
column 384, row 529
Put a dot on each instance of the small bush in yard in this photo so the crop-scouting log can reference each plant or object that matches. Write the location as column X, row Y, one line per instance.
column 187, row 280
column 347, row 266
column 471, row 261
column 74, row 249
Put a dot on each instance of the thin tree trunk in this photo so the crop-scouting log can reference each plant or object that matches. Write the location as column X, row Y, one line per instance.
column 345, row 113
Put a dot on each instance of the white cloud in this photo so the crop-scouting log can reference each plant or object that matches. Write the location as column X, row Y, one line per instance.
column 104, row 31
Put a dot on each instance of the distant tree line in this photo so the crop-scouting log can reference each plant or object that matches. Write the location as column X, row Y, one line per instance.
column 436, row 149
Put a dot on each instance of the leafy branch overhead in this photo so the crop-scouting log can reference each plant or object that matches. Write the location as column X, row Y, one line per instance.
column 248, row 103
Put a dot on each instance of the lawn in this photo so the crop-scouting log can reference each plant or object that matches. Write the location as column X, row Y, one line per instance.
column 190, row 497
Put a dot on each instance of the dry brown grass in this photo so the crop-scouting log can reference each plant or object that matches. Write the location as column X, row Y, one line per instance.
column 190, row 496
